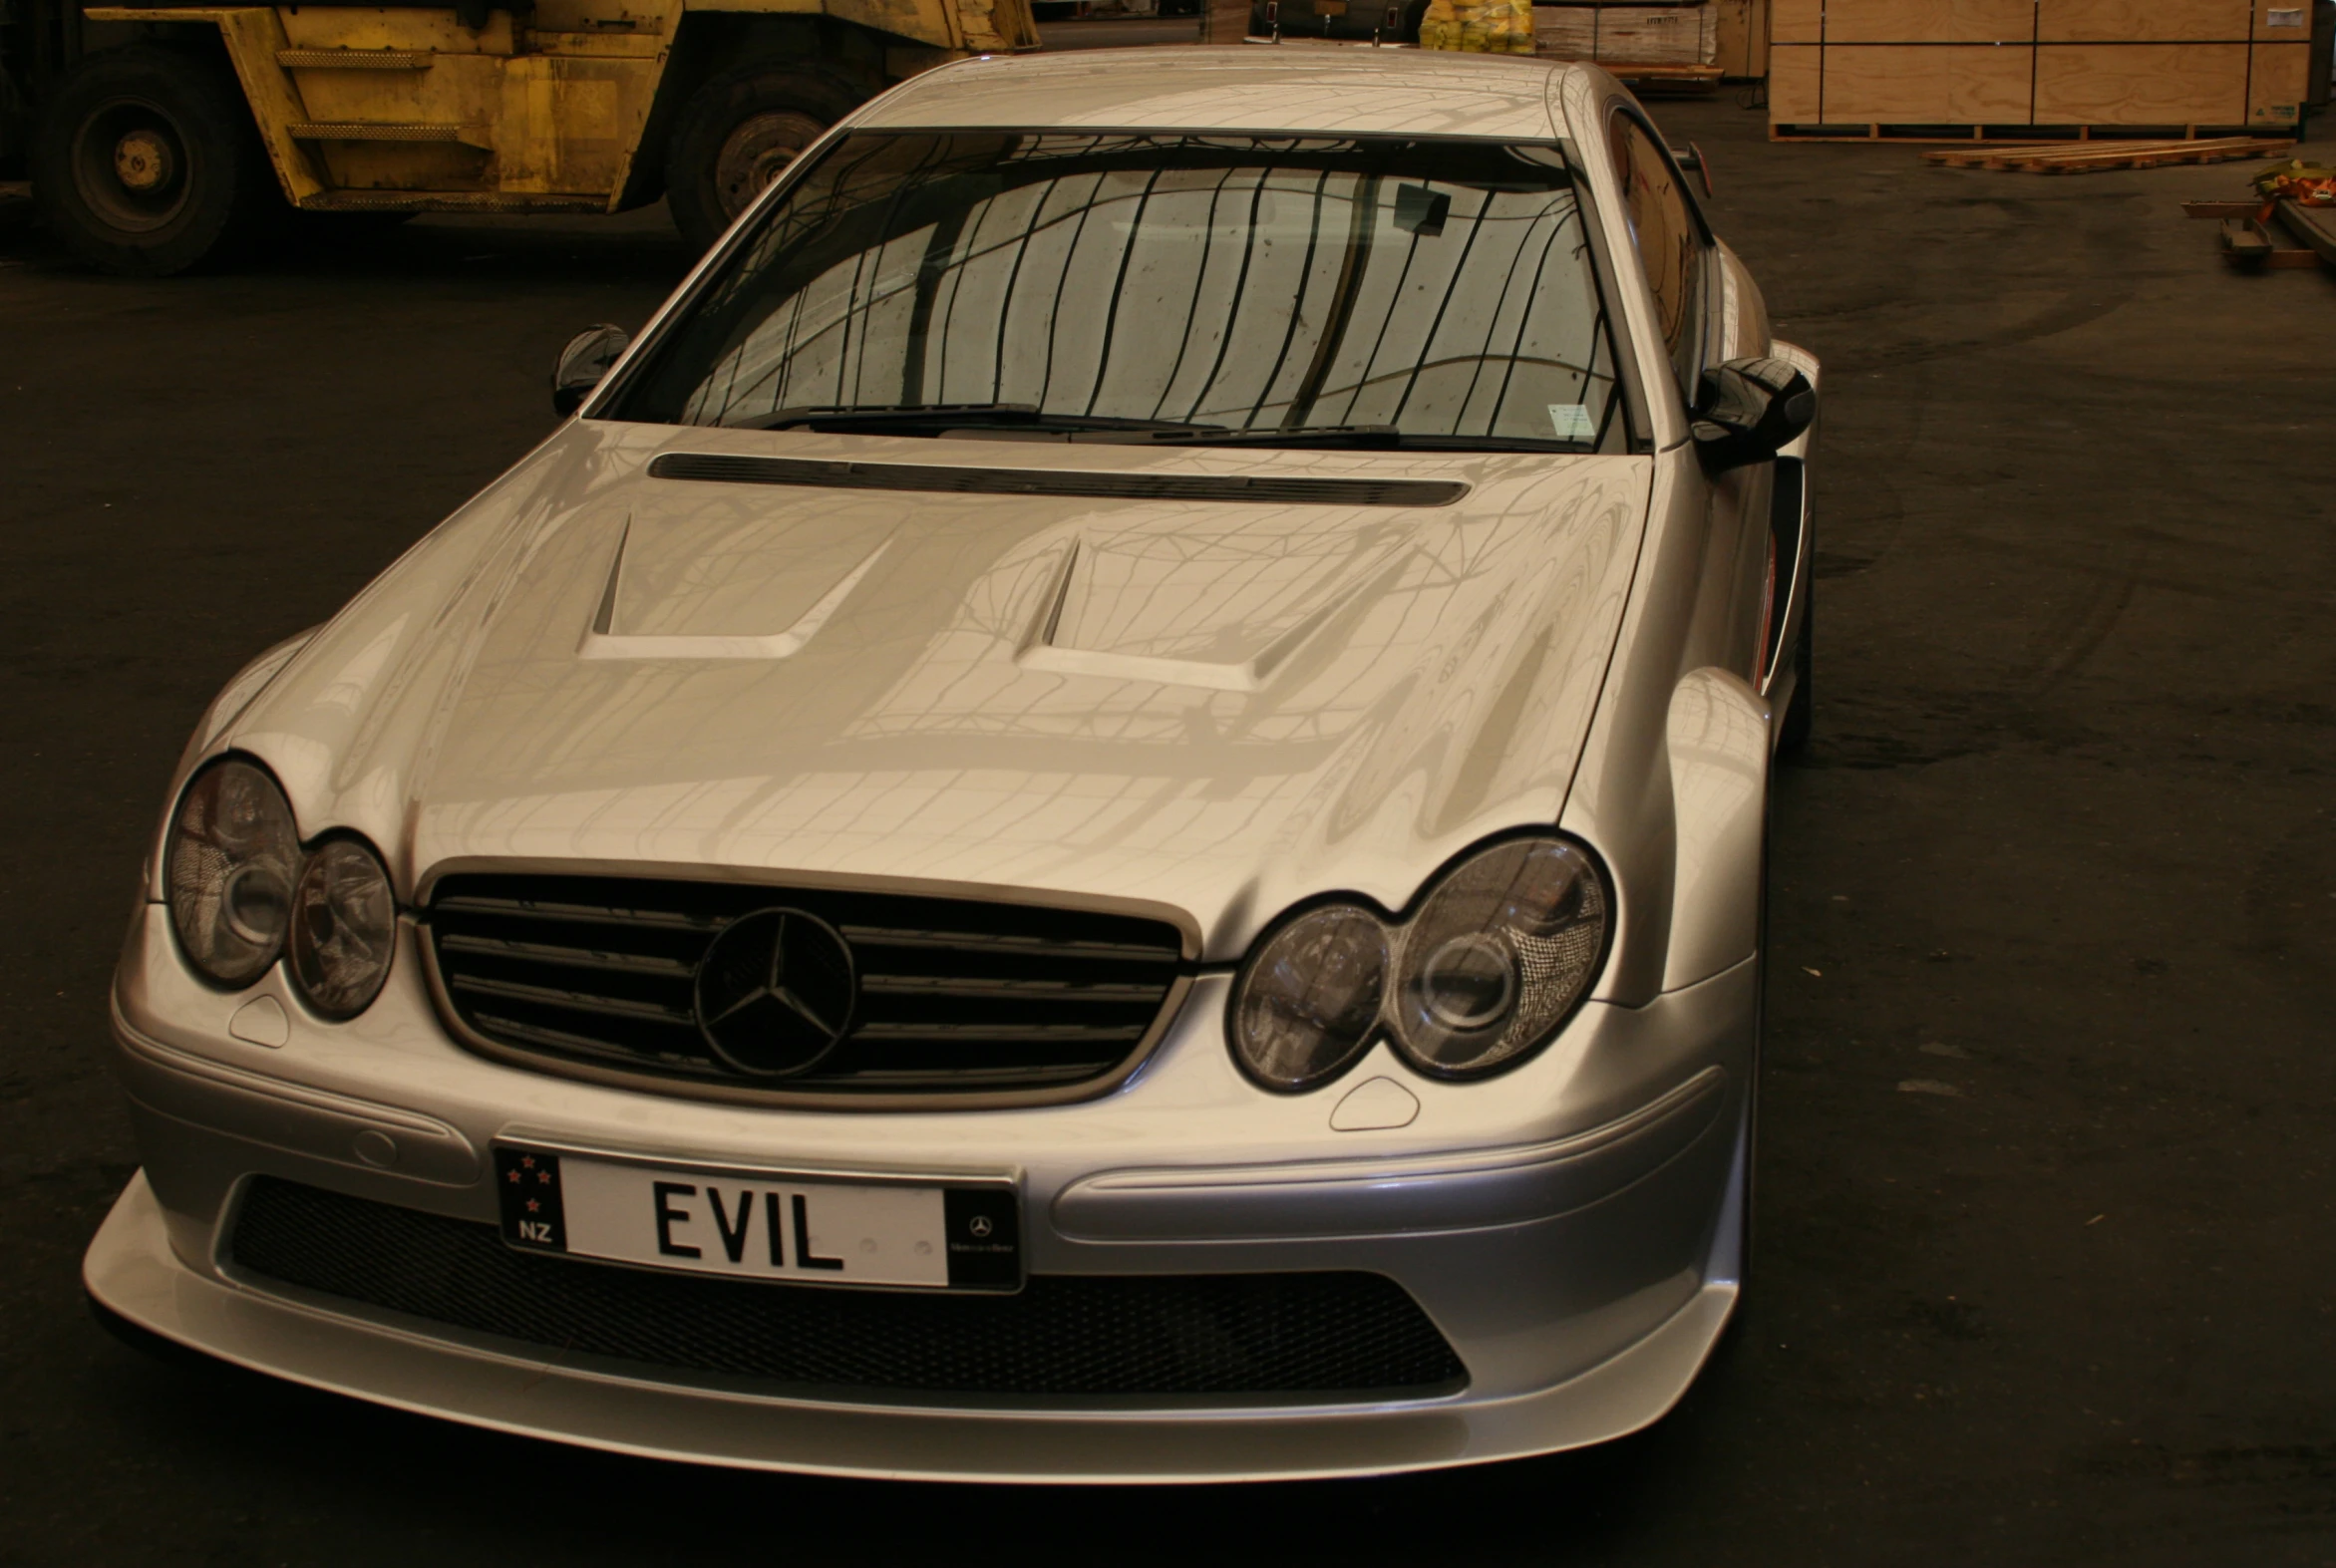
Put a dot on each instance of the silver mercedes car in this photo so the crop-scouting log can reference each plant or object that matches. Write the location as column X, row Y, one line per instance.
column 1100, row 818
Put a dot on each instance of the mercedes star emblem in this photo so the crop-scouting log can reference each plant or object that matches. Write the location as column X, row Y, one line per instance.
column 776, row 992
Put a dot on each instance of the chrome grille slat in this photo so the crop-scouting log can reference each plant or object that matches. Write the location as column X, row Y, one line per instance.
column 975, row 942
column 569, row 957
column 587, row 915
column 955, row 996
column 1016, row 990
column 576, row 1000
column 968, row 942
column 1060, row 1032
column 562, row 1040
column 983, row 1077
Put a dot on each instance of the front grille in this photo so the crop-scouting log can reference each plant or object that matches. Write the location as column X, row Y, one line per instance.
column 1229, row 1333
column 955, row 997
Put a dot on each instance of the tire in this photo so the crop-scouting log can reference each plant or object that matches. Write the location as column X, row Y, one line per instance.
column 148, row 162
column 737, row 133
column 1801, row 718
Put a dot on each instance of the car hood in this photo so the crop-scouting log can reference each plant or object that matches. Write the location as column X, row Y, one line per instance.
column 1217, row 705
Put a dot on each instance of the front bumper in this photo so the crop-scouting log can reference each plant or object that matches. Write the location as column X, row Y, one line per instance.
column 1569, row 1232
column 133, row 1271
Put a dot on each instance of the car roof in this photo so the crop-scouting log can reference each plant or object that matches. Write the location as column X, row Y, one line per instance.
column 1258, row 87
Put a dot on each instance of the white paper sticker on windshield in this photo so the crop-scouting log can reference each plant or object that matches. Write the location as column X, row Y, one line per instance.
column 1573, row 422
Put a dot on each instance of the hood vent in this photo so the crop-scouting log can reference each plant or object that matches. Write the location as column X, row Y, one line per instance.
column 936, row 479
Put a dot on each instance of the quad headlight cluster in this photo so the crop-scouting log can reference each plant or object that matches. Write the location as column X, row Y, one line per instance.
column 243, row 892
column 1476, row 978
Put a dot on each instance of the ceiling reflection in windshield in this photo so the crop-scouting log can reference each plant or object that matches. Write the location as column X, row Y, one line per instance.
column 1443, row 290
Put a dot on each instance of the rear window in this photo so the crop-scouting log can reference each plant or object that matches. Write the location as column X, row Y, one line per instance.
column 1203, row 289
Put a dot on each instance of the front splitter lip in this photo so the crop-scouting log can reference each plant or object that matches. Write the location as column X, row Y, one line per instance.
column 131, row 1270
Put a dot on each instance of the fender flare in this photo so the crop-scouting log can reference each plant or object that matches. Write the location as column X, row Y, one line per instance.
column 1717, row 738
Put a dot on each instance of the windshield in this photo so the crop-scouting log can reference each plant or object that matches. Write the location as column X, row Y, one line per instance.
column 1201, row 289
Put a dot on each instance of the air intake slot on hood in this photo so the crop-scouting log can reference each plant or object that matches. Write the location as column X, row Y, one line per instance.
column 934, row 479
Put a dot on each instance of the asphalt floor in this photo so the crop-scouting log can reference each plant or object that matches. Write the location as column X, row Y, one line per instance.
column 2045, row 1270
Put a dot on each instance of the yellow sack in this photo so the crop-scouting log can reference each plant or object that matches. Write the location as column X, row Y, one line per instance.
column 1488, row 27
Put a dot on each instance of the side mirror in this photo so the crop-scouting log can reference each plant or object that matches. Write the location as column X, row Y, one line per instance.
column 582, row 363
column 1691, row 160
column 1749, row 409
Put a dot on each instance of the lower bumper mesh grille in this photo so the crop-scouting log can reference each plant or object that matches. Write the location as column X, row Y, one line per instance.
column 1231, row 1334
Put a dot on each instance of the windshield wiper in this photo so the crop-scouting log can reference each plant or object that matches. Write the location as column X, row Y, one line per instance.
column 935, row 417
column 1287, row 436
column 1372, row 436
column 1420, row 443
column 961, row 415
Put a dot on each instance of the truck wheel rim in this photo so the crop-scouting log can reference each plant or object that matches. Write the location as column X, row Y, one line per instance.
column 755, row 152
column 130, row 165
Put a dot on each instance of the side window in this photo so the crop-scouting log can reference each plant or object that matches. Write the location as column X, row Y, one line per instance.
column 1670, row 244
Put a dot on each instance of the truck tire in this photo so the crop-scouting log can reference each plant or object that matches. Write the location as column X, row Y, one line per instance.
column 148, row 161
column 737, row 133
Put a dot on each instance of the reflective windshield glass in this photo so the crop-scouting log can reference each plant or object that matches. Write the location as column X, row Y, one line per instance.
column 1157, row 288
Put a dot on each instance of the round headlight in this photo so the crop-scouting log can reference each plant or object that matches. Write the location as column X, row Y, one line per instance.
column 1309, row 1000
column 344, row 928
column 1498, row 956
column 234, row 855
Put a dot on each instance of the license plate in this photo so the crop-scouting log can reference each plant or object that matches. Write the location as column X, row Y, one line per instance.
column 761, row 1224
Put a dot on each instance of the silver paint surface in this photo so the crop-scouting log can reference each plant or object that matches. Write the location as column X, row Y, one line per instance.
column 1207, row 710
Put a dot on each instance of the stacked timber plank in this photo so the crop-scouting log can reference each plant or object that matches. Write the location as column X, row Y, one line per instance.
column 2087, row 157
column 1977, row 69
column 1647, row 35
column 1672, row 44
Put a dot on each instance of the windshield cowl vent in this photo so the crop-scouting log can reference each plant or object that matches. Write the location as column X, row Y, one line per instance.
column 938, row 479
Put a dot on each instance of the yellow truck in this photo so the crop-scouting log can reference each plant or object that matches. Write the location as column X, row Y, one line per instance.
column 182, row 126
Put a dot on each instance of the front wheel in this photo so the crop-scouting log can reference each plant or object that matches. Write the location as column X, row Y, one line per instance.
column 735, row 134
column 148, row 161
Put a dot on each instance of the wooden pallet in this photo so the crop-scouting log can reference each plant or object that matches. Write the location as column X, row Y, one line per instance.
column 2249, row 244
column 2086, row 158
column 2140, row 64
column 1662, row 79
column 2315, row 225
column 1999, row 135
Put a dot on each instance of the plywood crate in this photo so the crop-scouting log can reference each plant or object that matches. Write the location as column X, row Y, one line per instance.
column 2000, row 66
column 1647, row 35
column 1743, row 27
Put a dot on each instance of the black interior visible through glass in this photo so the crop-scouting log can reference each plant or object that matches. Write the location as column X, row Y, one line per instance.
column 1126, row 287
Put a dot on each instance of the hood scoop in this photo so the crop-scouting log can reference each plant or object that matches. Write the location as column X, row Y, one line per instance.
column 719, row 592
column 935, row 479
column 1156, row 609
